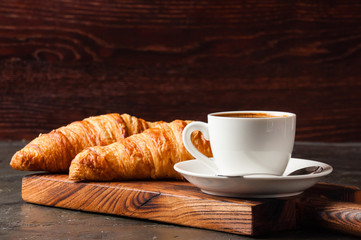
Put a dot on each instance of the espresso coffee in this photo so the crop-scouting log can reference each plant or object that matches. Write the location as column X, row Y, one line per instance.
column 245, row 142
column 248, row 115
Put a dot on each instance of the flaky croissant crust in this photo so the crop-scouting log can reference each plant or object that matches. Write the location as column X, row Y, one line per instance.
column 54, row 151
column 148, row 155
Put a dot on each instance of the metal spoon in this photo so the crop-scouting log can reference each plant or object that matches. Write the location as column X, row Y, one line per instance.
column 306, row 170
column 301, row 171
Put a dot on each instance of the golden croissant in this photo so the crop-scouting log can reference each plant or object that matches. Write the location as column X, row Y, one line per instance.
column 54, row 151
column 148, row 155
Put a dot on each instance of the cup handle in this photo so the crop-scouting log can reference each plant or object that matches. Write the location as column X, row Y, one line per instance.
column 187, row 141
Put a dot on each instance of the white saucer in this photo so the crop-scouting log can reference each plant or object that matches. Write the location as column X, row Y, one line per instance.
column 252, row 186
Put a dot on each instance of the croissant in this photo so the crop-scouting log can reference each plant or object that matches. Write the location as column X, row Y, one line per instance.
column 54, row 151
column 148, row 155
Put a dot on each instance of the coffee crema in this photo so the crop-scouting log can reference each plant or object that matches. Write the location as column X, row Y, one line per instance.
column 248, row 115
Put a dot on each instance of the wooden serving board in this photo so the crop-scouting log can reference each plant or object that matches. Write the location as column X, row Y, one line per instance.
column 331, row 206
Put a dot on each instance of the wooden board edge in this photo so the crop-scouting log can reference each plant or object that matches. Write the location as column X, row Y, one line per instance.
column 205, row 214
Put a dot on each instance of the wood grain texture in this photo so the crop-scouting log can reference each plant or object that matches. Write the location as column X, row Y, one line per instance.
column 65, row 60
column 331, row 206
column 344, row 217
column 324, row 205
column 164, row 201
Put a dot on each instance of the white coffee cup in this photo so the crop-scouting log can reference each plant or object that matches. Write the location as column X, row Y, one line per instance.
column 245, row 142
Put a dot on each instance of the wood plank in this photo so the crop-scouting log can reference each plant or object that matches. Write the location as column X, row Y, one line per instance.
column 62, row 61
column 164, row 201
column 331, row 206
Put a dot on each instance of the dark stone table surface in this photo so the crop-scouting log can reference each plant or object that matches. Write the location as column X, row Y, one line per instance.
column 21, row 220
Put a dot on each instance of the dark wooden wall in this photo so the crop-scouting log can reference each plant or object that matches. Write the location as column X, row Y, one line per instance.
column 64, row 60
